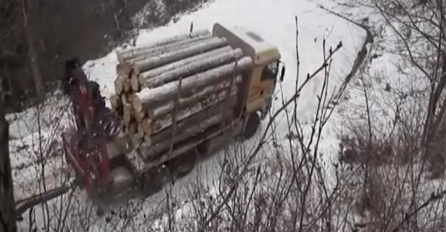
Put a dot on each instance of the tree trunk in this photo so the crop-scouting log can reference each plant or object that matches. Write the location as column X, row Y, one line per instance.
column 199, row 81
column 32, row 51
column 7, row 203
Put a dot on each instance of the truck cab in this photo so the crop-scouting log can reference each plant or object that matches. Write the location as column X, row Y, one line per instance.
column 265, row 73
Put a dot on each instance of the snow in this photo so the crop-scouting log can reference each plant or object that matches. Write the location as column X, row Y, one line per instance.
column 272, row 20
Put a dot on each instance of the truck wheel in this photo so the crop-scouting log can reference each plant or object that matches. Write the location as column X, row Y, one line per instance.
column 252, row 125
column 150, row 183
column 183, row 165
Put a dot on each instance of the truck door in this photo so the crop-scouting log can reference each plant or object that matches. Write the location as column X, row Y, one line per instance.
column 268, row 79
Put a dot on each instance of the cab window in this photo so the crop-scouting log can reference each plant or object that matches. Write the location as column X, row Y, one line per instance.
column 270, row 71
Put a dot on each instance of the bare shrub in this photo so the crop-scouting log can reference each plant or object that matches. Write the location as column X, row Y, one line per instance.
column 395, row 135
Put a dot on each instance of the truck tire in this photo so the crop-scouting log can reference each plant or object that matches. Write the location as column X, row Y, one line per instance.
column 252, row 125
column 183, row 165
column 150, row 183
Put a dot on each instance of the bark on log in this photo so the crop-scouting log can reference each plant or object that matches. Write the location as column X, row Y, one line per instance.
column 174, row 65
column 191, row 102
column 188, row 133
column 189, row 117
column 192, row 68
column 200, row 47
column 160, row 108
column 165, row 41
column 168, row 91
column 156, row 51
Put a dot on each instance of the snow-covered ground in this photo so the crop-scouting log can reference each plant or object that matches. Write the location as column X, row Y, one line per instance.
column 271, row 19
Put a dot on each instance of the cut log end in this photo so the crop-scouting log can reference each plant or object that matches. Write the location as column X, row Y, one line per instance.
column 137, row 104
column 127, row 85
column 119, row 85
column 146, row 126
column 134, row 82
column 140, row 134
column 116, row 104
column 140, row 116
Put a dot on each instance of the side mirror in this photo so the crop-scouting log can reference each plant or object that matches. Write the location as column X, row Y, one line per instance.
column 282, row 73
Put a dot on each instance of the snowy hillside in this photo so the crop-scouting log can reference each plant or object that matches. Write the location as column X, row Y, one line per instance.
column 274, row 21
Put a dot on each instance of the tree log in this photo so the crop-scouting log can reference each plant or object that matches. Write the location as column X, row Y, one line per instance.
column 133, row 128
column 156, row 51
column 147, row 97
column 127, row 116
column 203, row 99
column 134, row 81
column 140, row 116
column 126, row 101
column 191, row 116
column 127, row 85
column 157, row 109
column 168, row 40
column 140, row 134
column 200, row 47
column 174, row 65
column 115, row 102
column 123, row 70
column 192, row 68
column 187, row 133
column 119, row 84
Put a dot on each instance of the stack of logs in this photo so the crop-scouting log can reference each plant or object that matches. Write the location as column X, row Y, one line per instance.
column 178, row 86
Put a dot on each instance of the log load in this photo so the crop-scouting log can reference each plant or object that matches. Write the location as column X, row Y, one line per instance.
column 150, row 62
column 186, row 70
column 147, row 97
column 156, row 51
column 139, row 81
column 200, row 108
column 151, row 149
column 207, row 93
column 134, row 52
column 173, row 89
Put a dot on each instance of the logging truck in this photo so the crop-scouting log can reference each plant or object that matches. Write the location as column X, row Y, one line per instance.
column 175, row 100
